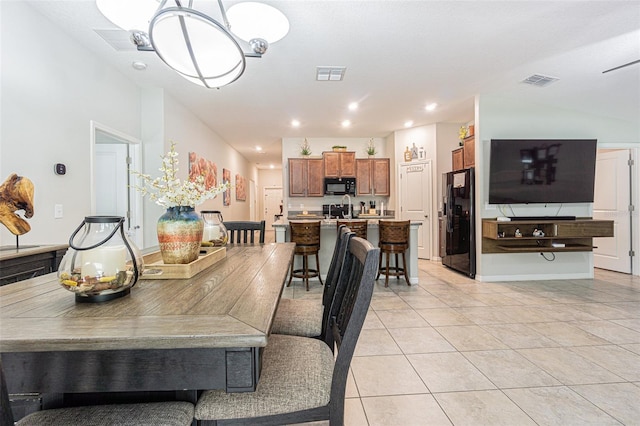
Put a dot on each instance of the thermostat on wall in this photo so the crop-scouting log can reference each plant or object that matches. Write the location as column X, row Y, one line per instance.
column 60, row 169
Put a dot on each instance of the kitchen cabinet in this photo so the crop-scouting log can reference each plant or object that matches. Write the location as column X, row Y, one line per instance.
column 305, row 177
column 372, row 176
column 557, row 235
column 457, row 159
column 339, row 164
column 469, row 151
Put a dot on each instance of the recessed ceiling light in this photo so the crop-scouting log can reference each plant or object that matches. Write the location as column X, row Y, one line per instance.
column 346, row 123
column 353, row 106
column 139, row 65
column 431, row 106
column 295, row 123
column 271, row 166
column 258, row 148
column 408, row 123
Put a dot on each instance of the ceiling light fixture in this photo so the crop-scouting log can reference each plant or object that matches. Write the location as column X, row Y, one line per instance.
column 353, row 106
column 295, row 123
column 346, row 123
column 201, row 48
column 408, row 123
column 258, row 148
column 431, row 106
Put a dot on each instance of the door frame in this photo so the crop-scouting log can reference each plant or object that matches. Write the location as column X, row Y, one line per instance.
column 135, row 152
column 635, row 198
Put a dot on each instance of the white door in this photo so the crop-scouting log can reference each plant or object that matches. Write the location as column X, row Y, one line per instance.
column 272, row 205
column 113, row 154
column 415, row 201
column 611, row 202
column 111, row 177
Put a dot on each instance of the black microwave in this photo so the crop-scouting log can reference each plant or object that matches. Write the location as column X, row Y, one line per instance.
column 340, row 186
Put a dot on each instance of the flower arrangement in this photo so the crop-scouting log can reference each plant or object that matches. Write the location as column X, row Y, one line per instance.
column 371, row 148
column 462, row 133
column 169, row 191
column 305, row 148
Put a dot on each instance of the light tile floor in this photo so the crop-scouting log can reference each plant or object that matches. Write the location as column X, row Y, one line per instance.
column 452, row 350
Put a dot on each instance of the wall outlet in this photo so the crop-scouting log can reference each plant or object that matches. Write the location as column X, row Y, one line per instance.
column 57, row 211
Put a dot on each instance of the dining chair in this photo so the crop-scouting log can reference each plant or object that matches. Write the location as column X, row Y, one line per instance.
column 172, row 413
column 301, row 381
column 308, row 318
column 244, row 231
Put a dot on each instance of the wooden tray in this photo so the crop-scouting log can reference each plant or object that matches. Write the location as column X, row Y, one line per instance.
column 155, row 269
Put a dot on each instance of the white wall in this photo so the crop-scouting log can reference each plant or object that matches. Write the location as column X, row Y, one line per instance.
column 51, row 88
column 503, row 118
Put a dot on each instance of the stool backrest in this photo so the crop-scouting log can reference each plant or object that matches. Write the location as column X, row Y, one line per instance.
column 243, row 231
column 359, row 227
column 305, row 233
column 394, row 231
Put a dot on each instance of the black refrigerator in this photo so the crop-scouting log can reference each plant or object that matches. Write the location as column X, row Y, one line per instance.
column 458, row 191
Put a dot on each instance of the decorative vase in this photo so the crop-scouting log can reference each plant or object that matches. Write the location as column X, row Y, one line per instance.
column 180, row 234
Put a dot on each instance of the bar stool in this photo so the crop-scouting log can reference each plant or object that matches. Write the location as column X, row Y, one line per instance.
column 394, row 239
column 359, row 227
column 306, row 235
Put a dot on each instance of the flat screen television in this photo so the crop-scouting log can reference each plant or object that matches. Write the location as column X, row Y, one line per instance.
column 526, row 171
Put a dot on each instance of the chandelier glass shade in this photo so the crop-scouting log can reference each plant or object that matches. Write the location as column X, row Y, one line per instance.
column 200, row 48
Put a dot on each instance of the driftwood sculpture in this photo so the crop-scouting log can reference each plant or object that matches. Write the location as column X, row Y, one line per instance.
column 16, row 193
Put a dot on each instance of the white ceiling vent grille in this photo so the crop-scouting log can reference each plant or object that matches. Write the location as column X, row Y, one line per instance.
column 539, row 80
column 330, row 73
column 120, row 40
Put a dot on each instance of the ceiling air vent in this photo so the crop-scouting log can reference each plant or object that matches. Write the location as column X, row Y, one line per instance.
column 330, row 73
column 120, row 40
column 539, row 80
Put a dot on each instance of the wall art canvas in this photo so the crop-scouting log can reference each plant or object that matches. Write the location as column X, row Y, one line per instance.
column 226, row 195
column 200, row 166
column 241, row 191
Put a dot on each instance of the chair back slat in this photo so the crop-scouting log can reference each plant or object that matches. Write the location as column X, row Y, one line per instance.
column 333, row 273
column 243, row 232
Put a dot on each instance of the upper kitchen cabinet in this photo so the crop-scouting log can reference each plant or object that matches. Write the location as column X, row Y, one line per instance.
column 339, row 164
column 305, row 177
column 372, row 176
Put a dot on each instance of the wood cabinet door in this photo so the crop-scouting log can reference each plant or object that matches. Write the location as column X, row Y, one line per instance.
column 315, row 178
column 331, row 164
column 298, row 171
column 469, row 145
column 363, row 176
column 380, row 177
column 347, row 164
column 457, row 159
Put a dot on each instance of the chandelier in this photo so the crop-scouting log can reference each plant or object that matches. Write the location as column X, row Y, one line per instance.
column 205, row 50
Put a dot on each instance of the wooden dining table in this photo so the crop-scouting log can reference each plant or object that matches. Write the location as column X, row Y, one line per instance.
column 205, row 332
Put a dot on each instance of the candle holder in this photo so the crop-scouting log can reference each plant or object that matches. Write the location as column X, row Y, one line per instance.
column 101, row 264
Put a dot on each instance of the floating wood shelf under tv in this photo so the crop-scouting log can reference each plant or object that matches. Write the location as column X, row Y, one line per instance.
column 559, row 236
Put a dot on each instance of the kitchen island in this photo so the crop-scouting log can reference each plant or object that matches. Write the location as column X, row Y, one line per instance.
column 328, row 235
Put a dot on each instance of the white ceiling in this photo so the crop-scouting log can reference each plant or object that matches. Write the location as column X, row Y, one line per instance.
column 400, row 56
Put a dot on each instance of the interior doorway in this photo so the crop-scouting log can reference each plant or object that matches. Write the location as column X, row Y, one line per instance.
column 272, row 205
column 415, row 201
column 113, row 155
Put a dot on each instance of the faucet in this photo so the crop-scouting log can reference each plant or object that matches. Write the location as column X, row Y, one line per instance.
column 331, row 205
column 348, row 216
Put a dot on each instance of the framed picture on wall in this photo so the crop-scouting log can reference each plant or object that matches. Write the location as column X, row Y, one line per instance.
column 241, row 191
column 226, row 195
column 200, row 166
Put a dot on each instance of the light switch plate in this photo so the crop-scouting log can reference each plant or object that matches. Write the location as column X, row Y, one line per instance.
column 57, row 211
